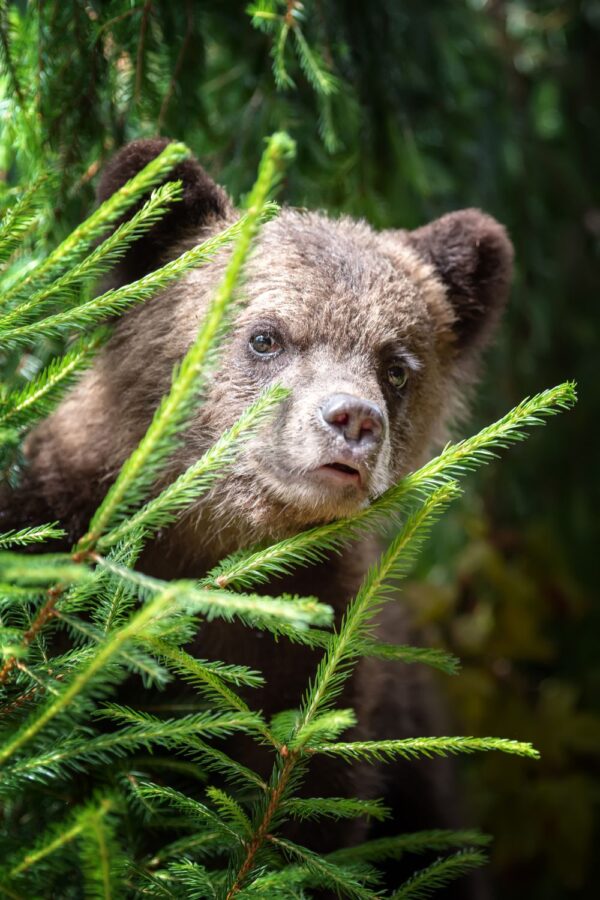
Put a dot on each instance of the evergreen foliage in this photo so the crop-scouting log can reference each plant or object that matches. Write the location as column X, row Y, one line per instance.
column 65, row 743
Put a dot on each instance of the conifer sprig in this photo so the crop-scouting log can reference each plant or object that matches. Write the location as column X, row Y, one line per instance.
column 411, row 748
column 20, row 218
column 100, row 261
column 71, row 250
column 61, row 834
column 254, row 567
column 200, row 476
column 439, row 874
column 142, row 467
column 344, row 646
column 36, row 534
column 38, row 398
column 116, row 301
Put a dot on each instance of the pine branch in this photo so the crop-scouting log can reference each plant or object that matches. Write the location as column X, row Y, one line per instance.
column 36, row 534
column 258, row 566
column 38, row 398
column 439, row 874
column 413, row 748
column 200, row 476
column 85, row 235
column 100, row 261
column 140, row 470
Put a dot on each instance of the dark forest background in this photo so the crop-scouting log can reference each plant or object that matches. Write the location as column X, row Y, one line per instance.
column 403, row 111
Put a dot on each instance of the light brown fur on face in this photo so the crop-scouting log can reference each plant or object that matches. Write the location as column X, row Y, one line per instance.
column 345, row 303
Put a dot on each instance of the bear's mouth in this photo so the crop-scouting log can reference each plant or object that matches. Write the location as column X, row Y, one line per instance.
column 341, row 473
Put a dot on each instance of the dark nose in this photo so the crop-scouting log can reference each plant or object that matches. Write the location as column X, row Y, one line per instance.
column 357, row 421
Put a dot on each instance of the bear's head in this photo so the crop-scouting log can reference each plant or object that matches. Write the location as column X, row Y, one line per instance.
column 376, row 334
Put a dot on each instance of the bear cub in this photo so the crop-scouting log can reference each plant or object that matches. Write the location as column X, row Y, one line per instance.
column 377, row 335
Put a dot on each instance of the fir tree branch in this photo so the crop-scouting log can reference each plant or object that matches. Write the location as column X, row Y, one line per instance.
column 258, row 566
column 45, row 613
column 258, row 609
column 335, row 808
column 439, row 874
column 38, row 398
column 115, row 301
column 412, row 748
column 381, row 849
column 100, row 260
column 329, row 873
column 429, row 656
column 82, row 680
column 20, row 217
column 76, row 244
column 35, row 534
column 344, row 646
column 138, row 472
column 200, row 476
column 59, row 835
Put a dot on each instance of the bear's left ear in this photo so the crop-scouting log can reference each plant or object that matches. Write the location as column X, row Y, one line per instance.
column 203, row 204
column 472, row 254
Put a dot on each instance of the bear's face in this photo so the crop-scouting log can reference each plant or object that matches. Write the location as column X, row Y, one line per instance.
column 374, row 333
column 359, row 329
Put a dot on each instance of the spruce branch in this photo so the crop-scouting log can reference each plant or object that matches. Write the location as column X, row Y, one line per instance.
column 201, row 475
column 335, row 808
column 311, row 546
column 20, row 217
column 140, row 470
column 439, row 874
column 381, row 849
column 260, row 610
column 35, row 534
column 115, row 301
column 100, row 261
column 61, row 834
column 83, row 680
column 344, row 646
column 78, row 242
column 37, row 399
column 413, row 748
column 337, row 877
column 429, row 656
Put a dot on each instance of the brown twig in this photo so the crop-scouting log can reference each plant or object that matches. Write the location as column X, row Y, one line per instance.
column 10, row 66
column 178, row 65
column 262, row 832
column 139, row 66
column 45, row 613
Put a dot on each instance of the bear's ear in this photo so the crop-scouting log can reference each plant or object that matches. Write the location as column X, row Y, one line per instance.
column 472, row 254
column 202, row 203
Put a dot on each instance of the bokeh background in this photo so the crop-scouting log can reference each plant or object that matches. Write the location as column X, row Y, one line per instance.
column 403, row 110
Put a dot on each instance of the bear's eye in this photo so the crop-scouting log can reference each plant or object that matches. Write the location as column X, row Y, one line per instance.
column 265, row 344
column 397, row 376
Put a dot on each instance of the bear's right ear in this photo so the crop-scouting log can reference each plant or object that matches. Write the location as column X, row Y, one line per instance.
column 202, row 204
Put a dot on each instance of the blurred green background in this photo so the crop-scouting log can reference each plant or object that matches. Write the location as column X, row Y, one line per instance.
column 403, row 111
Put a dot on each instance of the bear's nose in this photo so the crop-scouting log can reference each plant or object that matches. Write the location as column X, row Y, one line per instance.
column 358, row 421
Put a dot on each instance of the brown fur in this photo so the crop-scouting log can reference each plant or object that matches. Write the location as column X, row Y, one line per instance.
column 345, row 301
